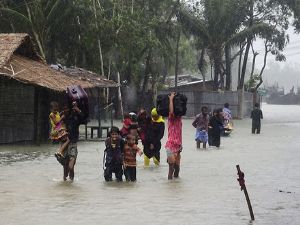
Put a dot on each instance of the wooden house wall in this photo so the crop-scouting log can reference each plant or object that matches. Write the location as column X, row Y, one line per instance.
column 25, row 109
column 43, row 97
column 16, row 111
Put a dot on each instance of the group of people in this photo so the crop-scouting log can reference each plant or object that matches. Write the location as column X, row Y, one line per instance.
column 209, row 127
column 121, row 145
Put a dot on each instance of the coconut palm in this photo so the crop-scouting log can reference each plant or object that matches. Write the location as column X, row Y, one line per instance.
column 215, row 22
column 42, row 17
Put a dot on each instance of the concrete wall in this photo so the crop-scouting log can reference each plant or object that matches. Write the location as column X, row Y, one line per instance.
column 213, row 100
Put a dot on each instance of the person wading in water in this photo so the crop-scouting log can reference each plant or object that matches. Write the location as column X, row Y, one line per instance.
column 73, row 118
column 174, row 142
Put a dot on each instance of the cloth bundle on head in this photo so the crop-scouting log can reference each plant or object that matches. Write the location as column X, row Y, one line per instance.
column 155, row 114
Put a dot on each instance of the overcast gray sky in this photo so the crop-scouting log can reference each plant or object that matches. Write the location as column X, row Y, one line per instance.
column 285, row 73
column 292, row 50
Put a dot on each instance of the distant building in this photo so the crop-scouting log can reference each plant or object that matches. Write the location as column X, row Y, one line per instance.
column 188, row 83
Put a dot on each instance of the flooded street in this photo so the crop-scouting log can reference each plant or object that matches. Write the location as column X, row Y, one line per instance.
column 32, row 191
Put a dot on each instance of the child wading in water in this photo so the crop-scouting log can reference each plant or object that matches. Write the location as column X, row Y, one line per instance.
column 130, row 151
column 56, row 121
column 201, row 124
column 113, row 155
column 174, row 142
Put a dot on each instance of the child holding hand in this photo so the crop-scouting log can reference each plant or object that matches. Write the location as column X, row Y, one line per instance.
column 130, row 151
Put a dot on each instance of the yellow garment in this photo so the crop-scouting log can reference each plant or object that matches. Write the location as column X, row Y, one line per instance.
column 56, row 125
column 54, row 121
column 146, row 161
column 156, row 162
column 154, row 113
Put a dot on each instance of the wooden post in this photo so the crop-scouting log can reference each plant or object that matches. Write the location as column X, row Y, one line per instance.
column 111, row 116
column 99, row 134
column 38, row 115
column 177, row 59
column 120, row 96
column 35, row 115
column 243, row 188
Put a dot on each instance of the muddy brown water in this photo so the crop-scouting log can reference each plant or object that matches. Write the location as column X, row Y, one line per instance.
column 32, row 190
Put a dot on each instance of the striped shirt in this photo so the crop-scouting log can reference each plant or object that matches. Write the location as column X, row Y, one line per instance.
column 130, row 154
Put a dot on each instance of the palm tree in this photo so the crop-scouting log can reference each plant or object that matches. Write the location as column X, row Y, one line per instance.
column 214, row 23
column 42, row 17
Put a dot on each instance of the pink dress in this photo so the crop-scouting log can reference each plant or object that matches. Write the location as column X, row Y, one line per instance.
column 174, row 143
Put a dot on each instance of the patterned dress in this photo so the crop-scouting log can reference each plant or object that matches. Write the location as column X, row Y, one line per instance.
column 174, row 143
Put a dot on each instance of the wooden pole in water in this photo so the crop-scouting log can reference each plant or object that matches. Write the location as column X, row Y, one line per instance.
column 243, row 188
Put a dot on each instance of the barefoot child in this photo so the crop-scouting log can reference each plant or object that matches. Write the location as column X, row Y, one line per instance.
column 130, row 151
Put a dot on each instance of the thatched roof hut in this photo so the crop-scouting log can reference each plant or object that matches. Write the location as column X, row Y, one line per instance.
column 20, row 62
column 28, row 84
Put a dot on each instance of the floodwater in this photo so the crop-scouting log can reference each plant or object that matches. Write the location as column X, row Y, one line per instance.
column 32, row 191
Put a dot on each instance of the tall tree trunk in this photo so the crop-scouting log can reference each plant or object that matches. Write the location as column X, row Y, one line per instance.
column 240, row 63
column 121, row 112
column 177, row 58
column 245, row 61
column 248, row 45
column 146, row 75
column 128, row 69
column 240, row 88
column 35, row 33
column 261, row 73
column 243, row 73
column 201, row 66
column 98, row 38
column 217, row 68
column 228, row 67
column 253, row 62
column 165, row 70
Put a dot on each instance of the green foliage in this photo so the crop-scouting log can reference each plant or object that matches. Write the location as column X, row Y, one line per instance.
column 252, row 82
column 138, row 37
